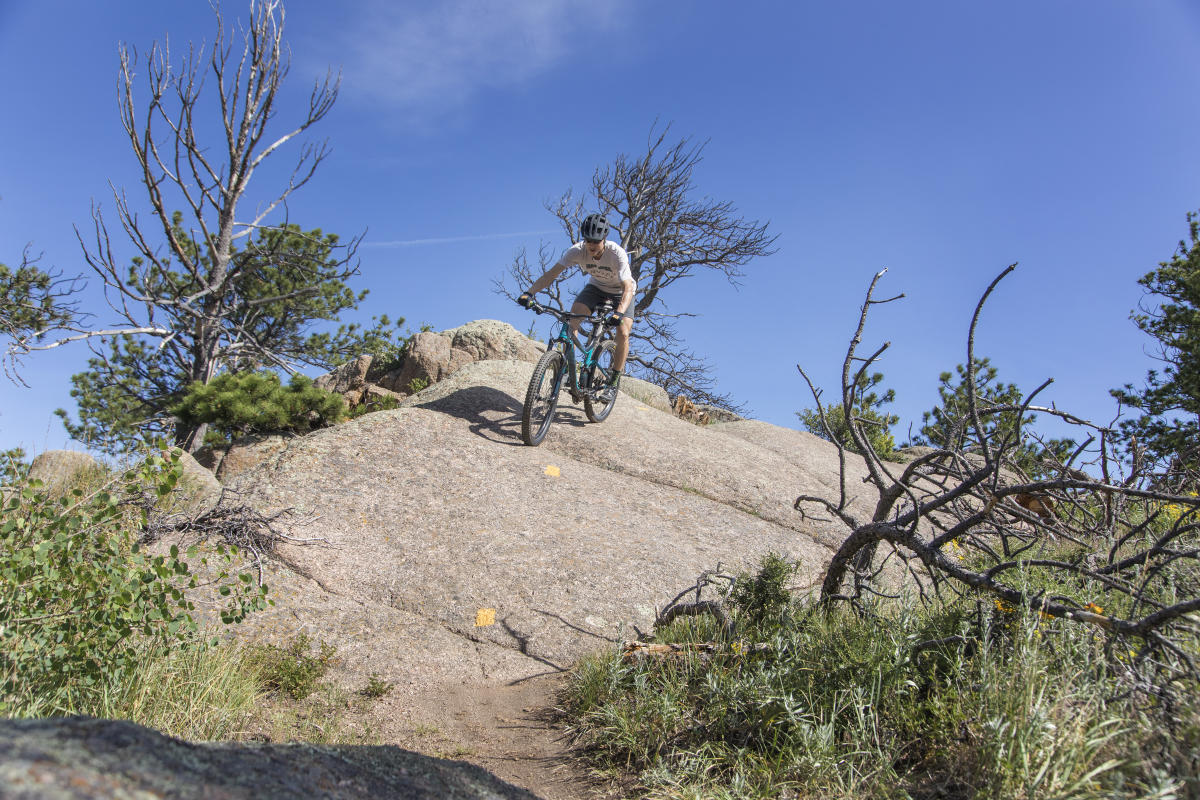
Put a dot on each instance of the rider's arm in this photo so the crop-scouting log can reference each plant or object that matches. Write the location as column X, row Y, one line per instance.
column 628, row 288
column 546, row 279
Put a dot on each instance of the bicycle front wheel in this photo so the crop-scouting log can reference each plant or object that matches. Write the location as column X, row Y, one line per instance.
column 542, row 397
column 601, row 397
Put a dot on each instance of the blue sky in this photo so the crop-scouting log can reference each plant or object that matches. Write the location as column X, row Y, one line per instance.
column 942, row 140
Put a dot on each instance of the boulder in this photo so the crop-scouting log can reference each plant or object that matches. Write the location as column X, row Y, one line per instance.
column 913, row 452
column 489, row 340
column 651, row 394
column 230, row 461
column 374, row 393
column 432, row 357
column 425, row 359
column 58, row 469
column 80, row 758
column 434, row 513
column 349, row 380
column 201, row 489
column 716, row 414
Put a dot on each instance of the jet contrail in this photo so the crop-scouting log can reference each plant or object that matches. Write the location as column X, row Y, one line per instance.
column 453, row 239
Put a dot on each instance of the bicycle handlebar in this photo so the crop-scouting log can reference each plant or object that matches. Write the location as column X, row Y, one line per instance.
column 563, row 316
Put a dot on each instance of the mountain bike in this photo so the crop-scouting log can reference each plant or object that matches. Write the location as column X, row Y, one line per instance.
column 585, row 376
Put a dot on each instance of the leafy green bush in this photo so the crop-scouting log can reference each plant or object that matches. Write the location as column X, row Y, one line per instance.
column 256, row 402
column 292, row 669
column 82, row 606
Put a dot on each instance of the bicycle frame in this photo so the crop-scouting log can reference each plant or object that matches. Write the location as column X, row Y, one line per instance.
column 567, row 344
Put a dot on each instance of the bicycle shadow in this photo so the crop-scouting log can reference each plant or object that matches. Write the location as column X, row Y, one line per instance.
column 491, row 413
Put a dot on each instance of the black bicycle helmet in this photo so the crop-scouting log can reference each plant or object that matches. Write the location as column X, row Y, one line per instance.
column 594, row 228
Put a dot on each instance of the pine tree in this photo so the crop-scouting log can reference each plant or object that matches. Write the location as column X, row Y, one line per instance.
column 234, row 288
column 949, row 425
column 867, row 410
column 282, row 284
column 33, row 300
column 234, row 405
column 1168, row 431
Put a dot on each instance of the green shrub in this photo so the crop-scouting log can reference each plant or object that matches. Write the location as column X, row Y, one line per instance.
column 373, row 405
column 377, row 687
column 255, row 402
column 292, row 670
column 904, row 700
column 763, row 598
column 82, row 606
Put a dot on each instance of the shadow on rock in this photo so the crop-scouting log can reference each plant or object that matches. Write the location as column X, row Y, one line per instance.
column 83, row 758
column 493, row 414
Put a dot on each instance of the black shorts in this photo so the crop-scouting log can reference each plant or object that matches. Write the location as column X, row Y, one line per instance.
column 592, row 296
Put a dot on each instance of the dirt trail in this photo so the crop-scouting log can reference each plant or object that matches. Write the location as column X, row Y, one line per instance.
column 512, row 730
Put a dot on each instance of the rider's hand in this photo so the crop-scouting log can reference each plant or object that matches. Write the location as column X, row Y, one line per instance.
column 525, row 301
column 614, row 318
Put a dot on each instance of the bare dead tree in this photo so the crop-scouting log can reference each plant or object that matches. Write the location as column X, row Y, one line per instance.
column 670, row 235
column 1093, row 541
column 182, row 290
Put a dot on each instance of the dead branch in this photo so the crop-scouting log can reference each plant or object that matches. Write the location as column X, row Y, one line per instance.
column 229, row 522
column 697, row 606
column 967, row 521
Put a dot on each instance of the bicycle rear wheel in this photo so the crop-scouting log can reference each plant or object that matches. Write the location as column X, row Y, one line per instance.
column 601, row 398
column 541, row 398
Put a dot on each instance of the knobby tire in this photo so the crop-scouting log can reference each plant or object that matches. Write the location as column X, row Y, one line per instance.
column 541, row 398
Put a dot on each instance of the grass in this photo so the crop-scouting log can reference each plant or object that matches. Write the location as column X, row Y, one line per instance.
column 845, row 705
column 200, row 692
column 330, row 715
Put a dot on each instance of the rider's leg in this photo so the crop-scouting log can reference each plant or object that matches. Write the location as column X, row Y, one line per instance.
column 580, row 310
column 621, row 340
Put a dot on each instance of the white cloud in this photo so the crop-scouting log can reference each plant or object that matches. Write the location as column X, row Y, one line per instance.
column 435, row 56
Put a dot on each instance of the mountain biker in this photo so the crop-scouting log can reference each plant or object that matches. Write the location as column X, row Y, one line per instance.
column 607, row 265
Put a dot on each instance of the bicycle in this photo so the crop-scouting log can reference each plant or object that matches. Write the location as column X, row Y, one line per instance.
column 557, row 366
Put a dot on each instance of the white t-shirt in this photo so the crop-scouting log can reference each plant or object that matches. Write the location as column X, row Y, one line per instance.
column 607, row 272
